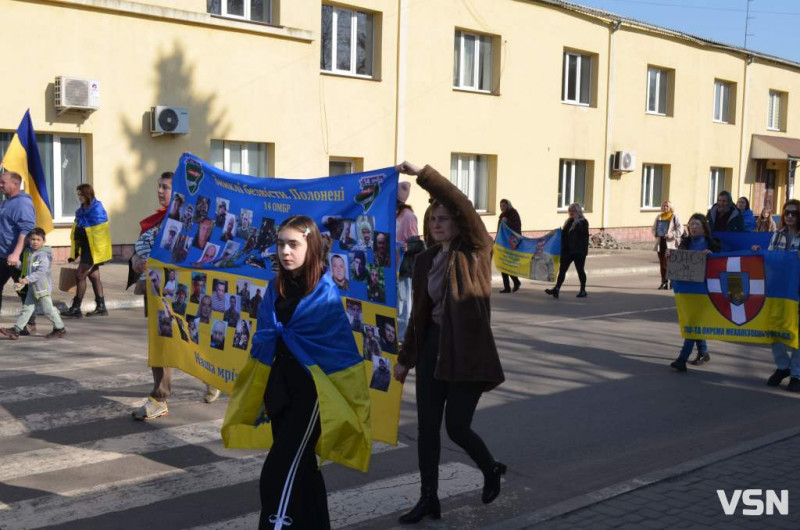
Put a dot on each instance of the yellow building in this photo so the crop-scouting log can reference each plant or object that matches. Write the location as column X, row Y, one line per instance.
column 541, row 102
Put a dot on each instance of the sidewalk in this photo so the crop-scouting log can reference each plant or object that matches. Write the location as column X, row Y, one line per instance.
column 685, row 496
column 114, row 276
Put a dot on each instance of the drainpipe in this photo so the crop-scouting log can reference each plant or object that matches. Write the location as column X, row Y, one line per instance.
column 401, row 75
column 608, row 132
column 743, row 155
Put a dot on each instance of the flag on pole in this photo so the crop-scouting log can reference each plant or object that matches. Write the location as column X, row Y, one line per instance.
column 22, row 157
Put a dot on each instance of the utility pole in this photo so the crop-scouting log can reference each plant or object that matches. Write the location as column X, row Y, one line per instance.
column 747, row 22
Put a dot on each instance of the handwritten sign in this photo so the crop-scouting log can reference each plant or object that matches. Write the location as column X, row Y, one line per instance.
column 686, row 265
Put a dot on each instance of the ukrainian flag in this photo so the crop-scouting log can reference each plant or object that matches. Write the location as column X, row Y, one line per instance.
column 320, row 338
column 22, row 157
column 746, row 297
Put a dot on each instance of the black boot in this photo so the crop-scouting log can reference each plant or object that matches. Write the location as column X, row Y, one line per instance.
column 100, row 309
column 428, row 505
column 491, row 482
column 75, row 310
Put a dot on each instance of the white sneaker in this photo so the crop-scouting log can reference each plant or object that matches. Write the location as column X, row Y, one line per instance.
column 212, row 394
column 151, row 410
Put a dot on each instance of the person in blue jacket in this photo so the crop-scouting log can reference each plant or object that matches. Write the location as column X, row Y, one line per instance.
column 743, row 204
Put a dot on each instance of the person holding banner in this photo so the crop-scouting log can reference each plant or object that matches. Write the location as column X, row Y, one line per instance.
column 700, row 240
column 17, row 218
column 511, row 218
column 574, row 249
column 449, row 338
column 787, row 237
column 667, row 230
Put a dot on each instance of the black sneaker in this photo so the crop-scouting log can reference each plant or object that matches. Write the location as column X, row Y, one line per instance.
column 11, row 333
column 679, row 364
column 778, row 376
column 794, row 385
column 552, row 292
column 701, row 358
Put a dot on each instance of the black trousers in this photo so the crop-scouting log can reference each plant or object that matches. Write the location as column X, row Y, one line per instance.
column 456, row 401
column 566, row 261
column 662, row 258
column 8, row 272
column 506, row 277
column 291, row 483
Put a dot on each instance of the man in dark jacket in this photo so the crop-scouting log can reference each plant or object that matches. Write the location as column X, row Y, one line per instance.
column 510, row 217
column 724, row 216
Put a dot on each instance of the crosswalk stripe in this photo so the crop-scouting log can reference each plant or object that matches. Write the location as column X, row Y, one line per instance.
column 376, row 499
column 54, row 368
column 64, row 457
column 78, row 385
column 44, row 421
column 133, row 493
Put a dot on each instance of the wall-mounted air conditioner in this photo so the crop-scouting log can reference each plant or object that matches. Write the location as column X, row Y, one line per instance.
column 624, row 161
column 73, row 93
column 169, row 120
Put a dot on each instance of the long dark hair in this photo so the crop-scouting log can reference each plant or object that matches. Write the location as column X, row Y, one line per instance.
column 314, row 265
column 87, row 190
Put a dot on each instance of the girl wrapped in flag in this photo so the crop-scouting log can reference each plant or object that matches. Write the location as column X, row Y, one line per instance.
column 303, row 387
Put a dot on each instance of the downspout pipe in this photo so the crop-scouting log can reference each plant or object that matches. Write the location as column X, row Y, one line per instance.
column 615, row 25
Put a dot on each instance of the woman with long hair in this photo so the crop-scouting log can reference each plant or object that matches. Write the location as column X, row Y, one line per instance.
column 302, row 323
column 743, row 205
column 667, row 230
column 787, row 237
column 574, row 249
column 510, row 217
column 449, row 339
column 91, row 247
column 765, row 222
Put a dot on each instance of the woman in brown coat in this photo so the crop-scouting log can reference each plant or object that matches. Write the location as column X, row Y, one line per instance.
column 449, row 339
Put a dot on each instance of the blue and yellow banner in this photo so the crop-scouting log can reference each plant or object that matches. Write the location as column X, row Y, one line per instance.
column 22, row 157
column 746, row 297
column 526, row 257
column 216, row 252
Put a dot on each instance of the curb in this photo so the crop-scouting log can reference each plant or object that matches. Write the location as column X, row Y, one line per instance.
column 648, row 479
column 14, row 310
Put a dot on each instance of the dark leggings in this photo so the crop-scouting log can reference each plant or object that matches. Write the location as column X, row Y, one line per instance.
column 91, row 271
column 579, row 261
column 456, row 401
column 662, row 258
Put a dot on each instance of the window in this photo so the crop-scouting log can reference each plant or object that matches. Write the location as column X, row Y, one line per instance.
column 472, row 68
column 577, row 79
column 344, row 166
column 722, row 102
column 62, row 177
column 775, row 111
column 716, row 184
column 347, row 41
column 255, row 10
column 244, row 158
column 470, row 173
column 652, row 185
column 572, row 183
column 657, row 89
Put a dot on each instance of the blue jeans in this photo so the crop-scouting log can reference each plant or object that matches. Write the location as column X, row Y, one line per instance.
column 783, row 361
column 688, row 344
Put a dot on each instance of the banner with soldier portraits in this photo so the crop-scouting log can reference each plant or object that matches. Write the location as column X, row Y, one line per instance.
column 216, row 252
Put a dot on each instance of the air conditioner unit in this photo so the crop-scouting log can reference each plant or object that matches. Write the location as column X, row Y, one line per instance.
column 624, row 161
column 75, row 93
column 169, row 120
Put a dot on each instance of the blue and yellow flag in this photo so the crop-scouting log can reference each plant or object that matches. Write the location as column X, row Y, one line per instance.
column 746, row 297
column 532, row 258
column 22, row 157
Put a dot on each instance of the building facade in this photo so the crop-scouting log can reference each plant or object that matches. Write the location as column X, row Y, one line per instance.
column 540, row 102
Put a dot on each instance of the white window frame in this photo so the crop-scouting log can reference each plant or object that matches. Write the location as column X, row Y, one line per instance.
column 567, row 171
column 716, row 184
column 722, row 101
column 578, row 70
column 774, row 110
column 648, row 179
column 245, row 150
column 247, row 12
column 662, row 77
column 353, row 13
column 338, row 160
column 477, row 166
column 480, row 41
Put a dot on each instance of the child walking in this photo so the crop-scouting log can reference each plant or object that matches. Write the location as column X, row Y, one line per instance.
column 699, row 239
column 36, row 260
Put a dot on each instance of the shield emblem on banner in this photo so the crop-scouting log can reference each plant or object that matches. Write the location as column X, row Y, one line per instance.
column 194, row 175
column 736, row 286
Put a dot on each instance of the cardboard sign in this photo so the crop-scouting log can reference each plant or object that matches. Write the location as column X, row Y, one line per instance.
column 686, row 265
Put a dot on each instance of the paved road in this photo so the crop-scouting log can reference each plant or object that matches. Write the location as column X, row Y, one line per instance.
column 589, row 403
